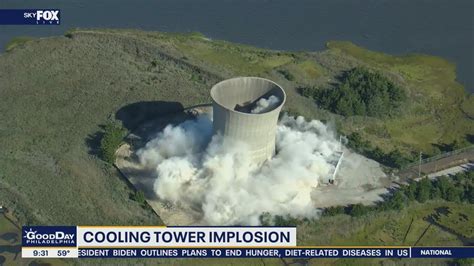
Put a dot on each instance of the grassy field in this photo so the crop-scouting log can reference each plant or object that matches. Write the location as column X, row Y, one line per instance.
column 386, row 229
column 439, row 110
column 57, row 92
column 17, row 41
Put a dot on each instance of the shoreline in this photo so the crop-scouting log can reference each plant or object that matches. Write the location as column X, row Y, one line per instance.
column 323, row 46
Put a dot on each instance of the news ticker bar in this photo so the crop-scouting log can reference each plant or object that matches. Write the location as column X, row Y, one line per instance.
column 201, row 242
column 295, row 252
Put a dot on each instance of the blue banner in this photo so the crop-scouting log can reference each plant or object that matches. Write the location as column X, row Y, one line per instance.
column 315, row 252
column 442, row 252
column 30, row 17
column 49, row 236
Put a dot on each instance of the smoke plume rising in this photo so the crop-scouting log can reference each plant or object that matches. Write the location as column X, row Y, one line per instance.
column 217, row 177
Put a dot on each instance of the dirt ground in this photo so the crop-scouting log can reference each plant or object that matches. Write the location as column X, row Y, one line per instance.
column 359, row 180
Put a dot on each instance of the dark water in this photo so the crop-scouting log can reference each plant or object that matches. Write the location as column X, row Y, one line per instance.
column 438, row 27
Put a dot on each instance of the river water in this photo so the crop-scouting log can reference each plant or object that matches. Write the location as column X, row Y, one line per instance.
column 437, row 27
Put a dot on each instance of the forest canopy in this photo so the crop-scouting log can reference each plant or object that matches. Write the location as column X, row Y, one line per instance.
column 361, row 92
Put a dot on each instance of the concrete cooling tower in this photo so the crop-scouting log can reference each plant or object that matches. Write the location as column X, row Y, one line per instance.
column 247, row 109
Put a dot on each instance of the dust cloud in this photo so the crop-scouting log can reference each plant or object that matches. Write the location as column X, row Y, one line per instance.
column 263, row 105
column 218, row 178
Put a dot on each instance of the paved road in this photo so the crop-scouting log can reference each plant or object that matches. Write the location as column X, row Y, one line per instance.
column 453, row 170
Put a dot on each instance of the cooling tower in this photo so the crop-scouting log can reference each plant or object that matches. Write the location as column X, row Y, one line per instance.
column 236, row 115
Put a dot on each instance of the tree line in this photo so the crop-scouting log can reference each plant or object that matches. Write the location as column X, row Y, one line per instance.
column 394, row 158
column 456, row 188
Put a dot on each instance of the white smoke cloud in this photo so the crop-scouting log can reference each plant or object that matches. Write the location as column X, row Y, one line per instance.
column 197, row 169
column 263, row 105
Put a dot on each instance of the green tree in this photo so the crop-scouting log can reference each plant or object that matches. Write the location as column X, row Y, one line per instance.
column 456, row 145
column 362, row 92
column 377, row 154
column 358, row 210
column 424, row 190
column 113, row 137
column 397, row 202
column 454, row 194
column 410, row 190
column 435, row 192
column 469, row 194
column 358, row 107
column 334, row 210
column 444, row 184
column 355, row 141
column 461, row 178
column 279, row 220
column 396, row 159
column 287, row 74
column 375, row 105
column 139, row 196
column 307, row 91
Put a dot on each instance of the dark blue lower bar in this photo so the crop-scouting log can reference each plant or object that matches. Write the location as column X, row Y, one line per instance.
column 442, row 252
column 244, row 252
column 356, row 252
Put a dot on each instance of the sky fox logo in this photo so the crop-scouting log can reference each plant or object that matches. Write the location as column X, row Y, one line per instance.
column 50, row 16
